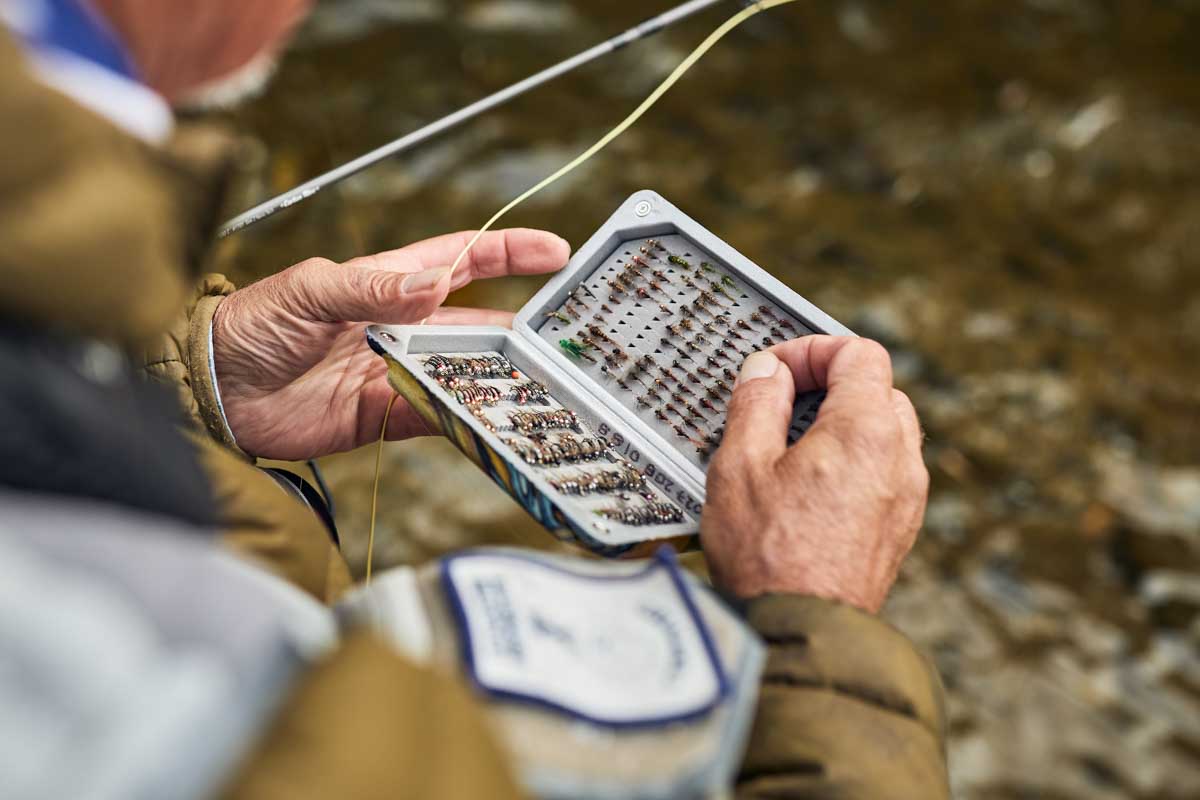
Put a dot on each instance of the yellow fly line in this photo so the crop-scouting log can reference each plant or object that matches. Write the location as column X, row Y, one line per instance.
column 714, row 37
column 375, row 486
column 625, row 124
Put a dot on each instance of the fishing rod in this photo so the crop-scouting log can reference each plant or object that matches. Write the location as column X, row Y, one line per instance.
column 307, row 189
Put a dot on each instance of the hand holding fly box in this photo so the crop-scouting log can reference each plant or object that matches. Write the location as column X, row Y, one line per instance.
column 599, row 410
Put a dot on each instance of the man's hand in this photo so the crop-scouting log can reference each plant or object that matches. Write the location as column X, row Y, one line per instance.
column 835, row 514
column 296, row 377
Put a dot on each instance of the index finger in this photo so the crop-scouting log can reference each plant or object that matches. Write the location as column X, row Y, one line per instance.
column 515, row 251
column 455, row 315
column 853, row 372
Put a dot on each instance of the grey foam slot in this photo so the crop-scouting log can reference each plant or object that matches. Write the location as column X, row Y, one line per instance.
column 412, row 343
column 638, row 325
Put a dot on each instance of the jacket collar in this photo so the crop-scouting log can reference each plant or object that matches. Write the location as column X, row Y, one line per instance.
column 101, row 233
column 71, row 49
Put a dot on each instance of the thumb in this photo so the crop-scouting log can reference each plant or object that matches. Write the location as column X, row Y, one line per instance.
column 760, row 411
column 346, row 293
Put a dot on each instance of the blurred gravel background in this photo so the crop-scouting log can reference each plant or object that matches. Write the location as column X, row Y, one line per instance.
column 1004, row 192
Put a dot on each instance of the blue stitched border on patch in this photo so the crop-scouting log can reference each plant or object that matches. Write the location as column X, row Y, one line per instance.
column 664, row 558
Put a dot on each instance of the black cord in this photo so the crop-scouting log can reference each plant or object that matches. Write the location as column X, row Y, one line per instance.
column 319, row 479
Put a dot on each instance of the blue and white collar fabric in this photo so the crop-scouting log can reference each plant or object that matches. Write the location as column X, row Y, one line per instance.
column 71, row 49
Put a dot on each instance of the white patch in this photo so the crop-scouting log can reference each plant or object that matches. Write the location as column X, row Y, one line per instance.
column 627, row 650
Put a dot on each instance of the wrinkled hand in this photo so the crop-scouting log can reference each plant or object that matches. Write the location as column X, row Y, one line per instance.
column 296, row 377
column 835, row 514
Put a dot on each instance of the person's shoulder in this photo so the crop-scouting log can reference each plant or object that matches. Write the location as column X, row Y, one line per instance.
column 117, row 619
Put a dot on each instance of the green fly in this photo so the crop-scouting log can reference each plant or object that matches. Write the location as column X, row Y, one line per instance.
column 576, row 349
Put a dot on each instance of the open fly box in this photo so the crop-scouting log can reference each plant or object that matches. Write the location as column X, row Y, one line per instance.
column 599, row 410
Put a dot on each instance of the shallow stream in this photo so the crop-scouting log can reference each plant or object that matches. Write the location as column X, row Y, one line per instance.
column 1007, row 194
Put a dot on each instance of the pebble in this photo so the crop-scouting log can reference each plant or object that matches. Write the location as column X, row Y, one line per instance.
column 1158, row 500
column 1091, row 121
column 988, row 325
column 505, row 175
column 1173, row 595
column 521, row 16
column 882, row 319
column 345, row 20
column 948, row 516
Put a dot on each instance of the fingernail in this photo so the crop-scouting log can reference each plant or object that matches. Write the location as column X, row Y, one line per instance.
column 423, row 281
column 759, row 365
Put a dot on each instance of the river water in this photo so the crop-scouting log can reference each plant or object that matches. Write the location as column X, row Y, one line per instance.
column 1005, row 192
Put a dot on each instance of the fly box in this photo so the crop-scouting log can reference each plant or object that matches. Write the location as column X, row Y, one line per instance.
column 599, row 410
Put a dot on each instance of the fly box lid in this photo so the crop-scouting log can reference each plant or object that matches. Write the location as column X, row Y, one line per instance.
column 599, row 410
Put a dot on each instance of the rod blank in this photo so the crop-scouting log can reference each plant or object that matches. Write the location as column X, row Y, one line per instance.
column 410, row 140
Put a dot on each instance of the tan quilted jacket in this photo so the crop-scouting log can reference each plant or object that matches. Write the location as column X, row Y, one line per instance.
column 103, row 236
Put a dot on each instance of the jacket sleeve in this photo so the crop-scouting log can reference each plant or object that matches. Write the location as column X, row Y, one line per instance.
column 180, row 358
column 257, row 516
column 848, row 708
column 368, row 724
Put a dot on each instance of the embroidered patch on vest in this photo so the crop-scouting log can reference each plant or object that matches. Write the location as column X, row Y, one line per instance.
column 628, row 650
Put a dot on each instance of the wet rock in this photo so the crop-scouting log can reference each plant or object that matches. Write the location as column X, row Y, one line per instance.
column 1039, row 738
column 1046, row 394
column 1160, row 509
column 803, row 182
column 987, row 325
column 523, row 16
column 855, row 22
column 1028, row 610
column 948, row 516
column 637, row 71
column 1091, row 121
column 1099, row 641
column 907, row 366
column 1173, row 597
column 1190, row 319
column 506, row 175
column 882, row 319
column 943, row 620
column 1131, row 213
column 907, row 188
column 342, row 20
column 1158, row 499
column 1083, row 720
column 1013, row 96
column 399, row 178
column 1163, row 719
column 1039, row 164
